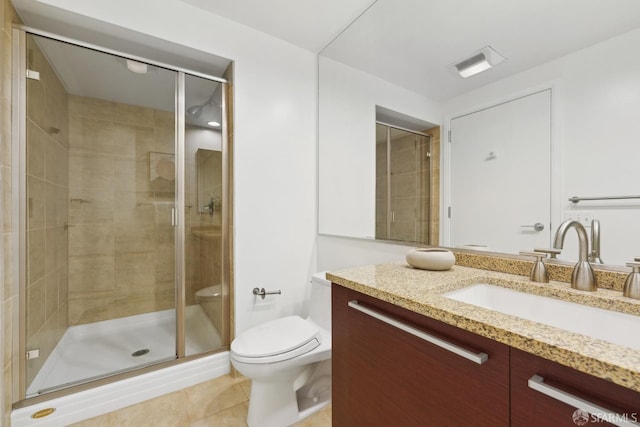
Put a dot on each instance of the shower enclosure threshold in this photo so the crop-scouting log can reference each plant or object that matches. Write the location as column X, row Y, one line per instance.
column 99, row 377
column 95, row 401
column 101, row 349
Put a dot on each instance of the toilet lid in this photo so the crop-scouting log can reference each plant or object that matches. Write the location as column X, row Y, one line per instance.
column 210, row 291
column 277, row 337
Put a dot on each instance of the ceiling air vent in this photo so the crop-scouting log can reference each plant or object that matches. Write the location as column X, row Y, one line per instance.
column 478, row 62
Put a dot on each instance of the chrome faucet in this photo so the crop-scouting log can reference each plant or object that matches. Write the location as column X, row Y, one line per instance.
column 582, row 277
column 594, row 254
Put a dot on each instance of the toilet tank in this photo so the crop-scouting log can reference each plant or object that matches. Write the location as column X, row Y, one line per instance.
column 320, row 301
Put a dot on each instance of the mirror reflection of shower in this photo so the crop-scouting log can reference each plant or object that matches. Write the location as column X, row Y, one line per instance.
column 208, row 112
column 407, row 184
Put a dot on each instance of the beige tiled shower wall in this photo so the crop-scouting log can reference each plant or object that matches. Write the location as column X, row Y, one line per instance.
column 8, row 293
column 121, row 240
column 47, row 203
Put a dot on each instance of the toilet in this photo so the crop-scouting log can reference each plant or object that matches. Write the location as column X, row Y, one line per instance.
column 289, row 362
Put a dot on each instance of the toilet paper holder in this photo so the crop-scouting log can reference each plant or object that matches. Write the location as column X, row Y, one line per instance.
column 263, row 293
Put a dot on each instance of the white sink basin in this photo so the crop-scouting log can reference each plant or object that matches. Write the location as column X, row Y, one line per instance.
column 611, row 326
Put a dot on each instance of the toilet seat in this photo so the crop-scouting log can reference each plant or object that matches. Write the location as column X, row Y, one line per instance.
column 209, row 291
column 276, row 340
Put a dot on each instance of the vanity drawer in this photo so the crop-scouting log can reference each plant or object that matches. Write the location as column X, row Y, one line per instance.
column 540, row 388
column 395, row 367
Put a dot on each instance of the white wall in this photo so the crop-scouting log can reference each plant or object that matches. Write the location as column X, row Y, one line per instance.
column 347, row 175
column 598, row 100
column 336, row 253
column 275, row 144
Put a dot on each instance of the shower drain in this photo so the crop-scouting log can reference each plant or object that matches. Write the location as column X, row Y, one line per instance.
column 140, row 352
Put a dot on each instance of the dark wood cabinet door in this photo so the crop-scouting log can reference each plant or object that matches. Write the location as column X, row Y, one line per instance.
column 531, row 407
column 384, row 376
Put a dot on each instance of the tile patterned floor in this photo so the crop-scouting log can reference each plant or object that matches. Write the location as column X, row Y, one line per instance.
column 222, row 402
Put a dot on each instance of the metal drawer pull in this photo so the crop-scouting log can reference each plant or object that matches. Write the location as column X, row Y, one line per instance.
column 478, row 358
column 537, row 383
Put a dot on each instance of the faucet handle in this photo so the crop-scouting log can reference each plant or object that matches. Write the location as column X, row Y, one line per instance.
column 553, row 252
column 632, row 283
column 635, row 265
column 539, row 271
column 535, row 253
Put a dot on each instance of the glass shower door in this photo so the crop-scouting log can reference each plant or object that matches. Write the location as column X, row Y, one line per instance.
column 206, row 308
column 403, row 185
column 99, row 231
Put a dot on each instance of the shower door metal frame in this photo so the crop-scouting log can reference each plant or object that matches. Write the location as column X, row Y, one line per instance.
column 179, row 215
column 19, row 212
column 227, row 206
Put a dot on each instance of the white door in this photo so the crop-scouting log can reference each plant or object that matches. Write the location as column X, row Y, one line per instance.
column 501, row 176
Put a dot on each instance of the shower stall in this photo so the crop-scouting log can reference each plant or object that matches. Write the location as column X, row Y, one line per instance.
column 124, row 211
column 407, row 184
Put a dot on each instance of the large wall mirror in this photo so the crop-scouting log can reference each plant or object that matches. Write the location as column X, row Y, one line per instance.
column 557, row 119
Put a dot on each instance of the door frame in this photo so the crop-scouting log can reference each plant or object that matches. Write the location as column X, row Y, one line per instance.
column 555, row 192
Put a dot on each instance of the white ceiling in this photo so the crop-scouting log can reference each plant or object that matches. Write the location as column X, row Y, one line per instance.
column 94, row 74
column 412, row 43
column 57, row 20
column 310, row 24
column 90, row 73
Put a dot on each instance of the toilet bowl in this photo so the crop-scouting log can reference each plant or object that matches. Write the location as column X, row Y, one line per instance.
column 289, row 362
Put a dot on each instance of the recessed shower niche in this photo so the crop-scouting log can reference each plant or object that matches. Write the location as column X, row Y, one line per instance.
column 116, row 240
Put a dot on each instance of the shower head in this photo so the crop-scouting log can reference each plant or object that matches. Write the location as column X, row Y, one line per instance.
column 196, row 109
column 207, row 114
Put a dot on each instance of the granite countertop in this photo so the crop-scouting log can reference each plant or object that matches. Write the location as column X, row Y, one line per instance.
column 421, row 291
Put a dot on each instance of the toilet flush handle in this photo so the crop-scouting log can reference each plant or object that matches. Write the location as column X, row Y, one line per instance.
column 263, row 293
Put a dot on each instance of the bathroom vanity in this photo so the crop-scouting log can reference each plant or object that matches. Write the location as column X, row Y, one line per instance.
column 405, row 354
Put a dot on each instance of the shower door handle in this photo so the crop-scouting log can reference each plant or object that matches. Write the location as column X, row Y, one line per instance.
column 174, row 217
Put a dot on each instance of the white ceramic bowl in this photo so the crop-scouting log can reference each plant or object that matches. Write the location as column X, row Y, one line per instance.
column 431, row 258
